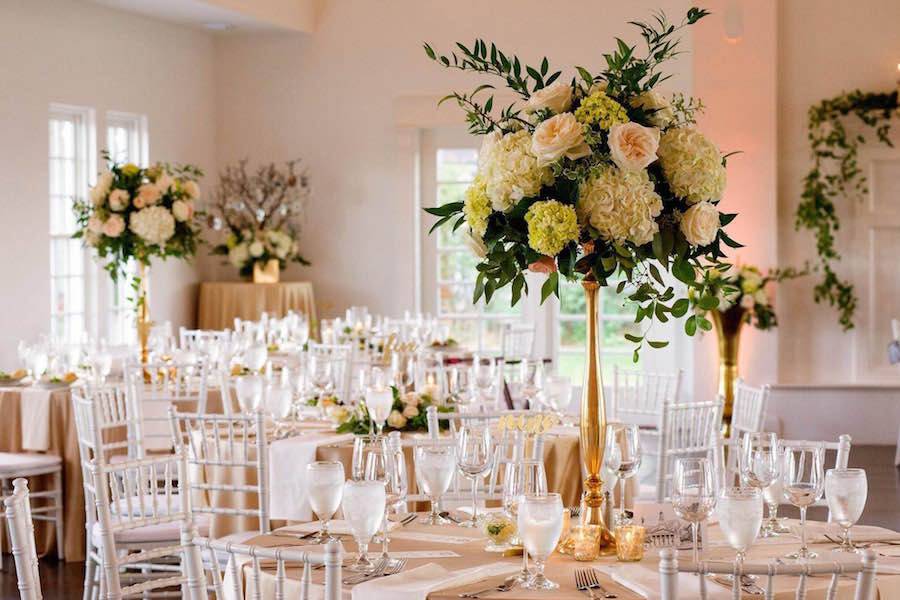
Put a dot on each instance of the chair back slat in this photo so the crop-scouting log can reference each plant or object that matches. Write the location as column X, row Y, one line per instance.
column 20, row 526
column 638, row 397
column 748, row 412
column 685, row 430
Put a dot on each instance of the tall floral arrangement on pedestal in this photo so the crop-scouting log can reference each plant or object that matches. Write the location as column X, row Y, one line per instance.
column 598, row 177
column 261, row 214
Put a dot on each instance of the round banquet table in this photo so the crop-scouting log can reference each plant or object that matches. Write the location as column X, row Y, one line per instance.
column 220, row 302
column 621, row 579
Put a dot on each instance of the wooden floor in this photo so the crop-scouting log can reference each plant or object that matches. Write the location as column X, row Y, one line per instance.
column 64, row 580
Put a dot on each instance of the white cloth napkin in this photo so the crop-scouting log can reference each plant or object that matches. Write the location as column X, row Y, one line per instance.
column 287, row 473
column 644, row 581
column 35, row 409
column 416, row 584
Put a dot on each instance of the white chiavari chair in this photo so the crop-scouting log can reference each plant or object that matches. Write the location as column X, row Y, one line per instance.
column 638, row 397
column 228, row 560
column 517, row 340
column 685, row 430
column 864, row 569
column 222, row 443
column 20, row 526
column 136, row 501
column 198, row 340
column 152, row 388
column 341, row 357
column 748, row 412
column 249, row 330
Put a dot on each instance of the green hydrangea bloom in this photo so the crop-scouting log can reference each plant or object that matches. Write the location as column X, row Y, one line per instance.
column 477, row 206
column 600, row 109
column 551, row 225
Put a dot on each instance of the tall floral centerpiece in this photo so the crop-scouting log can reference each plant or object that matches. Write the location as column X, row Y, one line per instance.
column 261, row 214
column 137, row 214
column 599, row 178
column 743, row 294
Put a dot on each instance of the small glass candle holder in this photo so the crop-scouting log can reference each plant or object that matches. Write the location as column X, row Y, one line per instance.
column 630, row 543
column 587, row 543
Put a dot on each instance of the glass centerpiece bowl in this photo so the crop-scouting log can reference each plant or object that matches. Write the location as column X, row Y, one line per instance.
column 602, row 180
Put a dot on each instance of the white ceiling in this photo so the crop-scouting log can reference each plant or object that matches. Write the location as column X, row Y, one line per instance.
column 195, row 13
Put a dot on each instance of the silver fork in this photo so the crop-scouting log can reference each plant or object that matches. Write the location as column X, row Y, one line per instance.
column 507, row 585
column 589, row 577
column 380, row 566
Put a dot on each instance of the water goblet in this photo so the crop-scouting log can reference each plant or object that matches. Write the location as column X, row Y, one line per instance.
column 540, row 525
column 363, row 505
column 846, row 491
column 435, row 466
column 740, row 512
column 622, row 456
column 803, row 482
column 474, row 458
column 325, row 486
column 693, row 494
column 249, row 390
column 379, row 401
column 255, row 357
column 773, row 496
column 521, row 479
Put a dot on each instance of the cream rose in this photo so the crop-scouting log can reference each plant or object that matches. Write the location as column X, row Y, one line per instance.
column 95, row 225
column 118, row 200
column 761, row 297
column 410, row 411
column 659, row 110
column 114, row 226
column 148, row 194
column 182, row 211
column 747, row 301
column 239, row 255
column 633, row 146
column 559, row 136
column 164, row 182
column 557, row 97
column 700, row 224
column 411, row 399
column 396, row 420
column 191, row 189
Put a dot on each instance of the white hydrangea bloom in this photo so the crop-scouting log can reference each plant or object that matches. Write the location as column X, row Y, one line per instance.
column 239, row 255
column 692, row 165
column 621, row 205
column 510, row 170
column 155, row 225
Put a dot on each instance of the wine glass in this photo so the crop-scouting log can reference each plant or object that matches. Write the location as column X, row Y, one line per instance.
column 249, row 390
column 363, row 504
column 321, row 374
column 773, row 496
column 325, row 485
column 474, row 457
column 693, row 494
column 531, row 379
column 521, row 479
column 435, row 466
column 363, row 445
column 758, row 460
column 740, row 512
column 622, row 456
column 382, row 466
column 845, row 492
column 379, row 401
column 540, row 525
column 803, row 481
column 484, row 375
column 557, row 393
column 255, row 357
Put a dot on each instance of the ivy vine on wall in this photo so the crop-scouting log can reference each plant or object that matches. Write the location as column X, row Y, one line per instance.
column 836, row 173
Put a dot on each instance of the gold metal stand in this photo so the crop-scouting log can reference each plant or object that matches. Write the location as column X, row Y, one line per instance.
column 144, row 324
column 593, row 425
column 728, row 326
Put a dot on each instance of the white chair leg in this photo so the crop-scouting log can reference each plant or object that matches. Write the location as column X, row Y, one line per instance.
column 88, row 578
column 58, row 499
column 4, row 492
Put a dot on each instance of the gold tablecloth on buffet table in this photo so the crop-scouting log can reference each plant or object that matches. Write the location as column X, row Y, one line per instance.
column 220, row 302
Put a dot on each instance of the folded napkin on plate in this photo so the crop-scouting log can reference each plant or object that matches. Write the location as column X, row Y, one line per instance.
column 35, row 408
column 416, row 584
column 643, row 580
column 337, row 527
column 287, row 473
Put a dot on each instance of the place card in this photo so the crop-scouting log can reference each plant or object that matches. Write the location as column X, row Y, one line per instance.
column 432, row 537
column 425, row 554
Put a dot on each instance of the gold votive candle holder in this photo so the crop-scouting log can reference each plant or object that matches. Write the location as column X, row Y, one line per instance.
column 630, row 543
column 586, row 542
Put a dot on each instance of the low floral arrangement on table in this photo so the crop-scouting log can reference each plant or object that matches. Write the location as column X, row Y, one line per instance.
column 261, row 215
column 599, row 177
column 141, row 213
column 407, row 414
column 744, row 287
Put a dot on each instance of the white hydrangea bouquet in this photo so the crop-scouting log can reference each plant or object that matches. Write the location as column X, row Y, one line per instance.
column 600, row 177
column 141, row 213
column 261, row 213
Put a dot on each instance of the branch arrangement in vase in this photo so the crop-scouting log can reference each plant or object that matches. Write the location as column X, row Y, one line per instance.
column 747, row 289
column 261, row 214
column 600, row 177
column 140, row 213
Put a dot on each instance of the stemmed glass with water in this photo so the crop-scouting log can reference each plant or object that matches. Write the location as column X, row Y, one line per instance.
column 693, row 494
column 758, row 461
column 540, row 525
column 522, row 479
column 846, row 491
column 363, row 504
column 474, row 458
column 379, row 401
column 773, row 496
column 249, row 391
column 740, row 512
column 622, row 456
column 803, row 482
column 435, row 466
column 325, row 486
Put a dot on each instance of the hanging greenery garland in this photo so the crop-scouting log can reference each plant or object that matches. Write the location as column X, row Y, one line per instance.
column 836, row 173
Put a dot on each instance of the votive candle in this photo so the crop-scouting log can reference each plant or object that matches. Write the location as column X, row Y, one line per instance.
column 630, row 543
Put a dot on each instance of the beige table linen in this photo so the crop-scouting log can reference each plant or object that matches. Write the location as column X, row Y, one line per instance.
column 220, row 302
column 562, row 568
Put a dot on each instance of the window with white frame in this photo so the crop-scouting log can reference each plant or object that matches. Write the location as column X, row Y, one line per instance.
column 71, row 155
column 126, row 142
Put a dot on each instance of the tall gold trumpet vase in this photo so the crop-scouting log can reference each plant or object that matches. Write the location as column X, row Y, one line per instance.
column 593, row 424
column 728, row 326
column 144, row 324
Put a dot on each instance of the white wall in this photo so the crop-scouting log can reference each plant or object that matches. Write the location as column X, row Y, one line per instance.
column 79, row 53
column 330, row 98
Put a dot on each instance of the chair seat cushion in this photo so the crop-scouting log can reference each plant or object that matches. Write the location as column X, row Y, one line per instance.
column 164, row 532
column 14, row 463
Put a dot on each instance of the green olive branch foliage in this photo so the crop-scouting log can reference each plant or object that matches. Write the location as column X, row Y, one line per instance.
column 637, row 269
column 835, row 173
